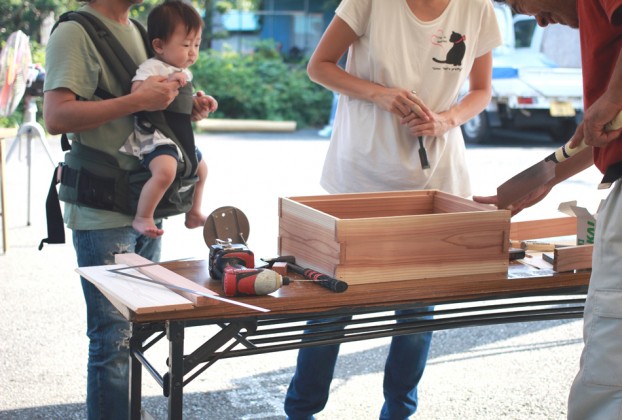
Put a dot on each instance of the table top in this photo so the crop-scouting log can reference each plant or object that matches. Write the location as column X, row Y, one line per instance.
column 309, row 298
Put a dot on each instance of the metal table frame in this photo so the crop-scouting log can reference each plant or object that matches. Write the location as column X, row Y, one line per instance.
column 267, row 333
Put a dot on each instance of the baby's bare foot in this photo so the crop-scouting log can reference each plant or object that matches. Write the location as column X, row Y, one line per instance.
column 195, row 220
column 147, row 227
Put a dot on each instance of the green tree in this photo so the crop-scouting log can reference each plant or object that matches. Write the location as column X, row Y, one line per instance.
column 27, row 16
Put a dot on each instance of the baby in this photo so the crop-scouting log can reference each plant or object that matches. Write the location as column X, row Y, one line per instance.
column 174, row 29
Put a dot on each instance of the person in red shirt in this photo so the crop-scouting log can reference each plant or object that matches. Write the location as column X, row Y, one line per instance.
column 596, row 392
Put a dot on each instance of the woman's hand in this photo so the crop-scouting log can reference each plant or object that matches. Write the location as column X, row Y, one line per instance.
column 435, row 126
column 402, row 103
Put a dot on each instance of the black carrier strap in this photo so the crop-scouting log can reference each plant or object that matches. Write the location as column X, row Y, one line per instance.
column 109, row 47
column 56, row 227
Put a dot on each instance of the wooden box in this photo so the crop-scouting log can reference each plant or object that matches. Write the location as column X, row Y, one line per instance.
column 390, row 236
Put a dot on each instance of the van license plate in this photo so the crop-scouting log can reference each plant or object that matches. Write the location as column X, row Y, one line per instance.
column 562, row 109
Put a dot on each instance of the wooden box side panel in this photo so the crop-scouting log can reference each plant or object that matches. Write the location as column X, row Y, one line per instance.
column 545, row 228
column 365, row 274
column 292, row 208
column 312, row 244
column 447, row 203
column 372, row 205
column 457, row 236
column 311, row 200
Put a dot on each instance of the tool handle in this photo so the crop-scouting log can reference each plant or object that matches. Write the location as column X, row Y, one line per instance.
column 566, row 152
column 322, row 279
column 614, row 124
column 423, row 155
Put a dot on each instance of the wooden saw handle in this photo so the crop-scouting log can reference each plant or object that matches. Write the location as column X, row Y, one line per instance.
column 566, row 152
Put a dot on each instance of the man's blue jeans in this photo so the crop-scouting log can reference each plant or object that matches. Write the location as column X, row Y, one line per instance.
column 309, row 388
column 108, row 331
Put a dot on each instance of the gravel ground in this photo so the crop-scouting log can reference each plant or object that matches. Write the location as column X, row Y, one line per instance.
column 512, row 371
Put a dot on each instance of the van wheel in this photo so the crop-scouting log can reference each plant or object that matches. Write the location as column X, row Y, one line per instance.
column 564, row 130
column 477, row 129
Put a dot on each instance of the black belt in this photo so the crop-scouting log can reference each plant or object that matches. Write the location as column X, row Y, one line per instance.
column 612, row 174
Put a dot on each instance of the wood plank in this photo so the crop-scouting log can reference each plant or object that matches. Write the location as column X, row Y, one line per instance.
column 573, row 258
column 423, row 273
column 417, row 194
column 3, row 215
column 447, row 203
column 128, row 293
column 365, row 205
column 288, row 207
column 4, row 134
column 314, row 246
column 545, row 228
column 161, row 274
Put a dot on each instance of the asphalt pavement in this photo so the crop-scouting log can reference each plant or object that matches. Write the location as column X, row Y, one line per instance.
column 510, row 371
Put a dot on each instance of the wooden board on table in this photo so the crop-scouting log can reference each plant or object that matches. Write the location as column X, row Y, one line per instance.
column 545, row 228
column 138, row 296
column 573, row 258
column 161, row 274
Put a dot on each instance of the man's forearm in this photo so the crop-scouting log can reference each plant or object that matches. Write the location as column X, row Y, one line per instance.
column 573, row 166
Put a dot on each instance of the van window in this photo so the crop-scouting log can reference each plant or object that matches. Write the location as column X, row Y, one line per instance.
column 524, row 31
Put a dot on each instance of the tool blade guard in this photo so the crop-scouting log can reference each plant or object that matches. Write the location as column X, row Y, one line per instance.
column 228, row 255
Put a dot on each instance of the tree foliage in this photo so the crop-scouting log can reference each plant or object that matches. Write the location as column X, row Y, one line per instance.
column 261, row 86
column 27, row 16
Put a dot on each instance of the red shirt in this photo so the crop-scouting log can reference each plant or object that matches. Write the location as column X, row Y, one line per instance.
column 600, row 24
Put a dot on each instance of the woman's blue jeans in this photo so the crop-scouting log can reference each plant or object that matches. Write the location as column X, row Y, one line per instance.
column 309, row 388
column 108, row 331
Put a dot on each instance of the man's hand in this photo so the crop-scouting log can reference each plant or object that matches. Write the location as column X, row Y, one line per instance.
column 156, row 93
column 595, row 121
column 527, row 201
column 202, row 106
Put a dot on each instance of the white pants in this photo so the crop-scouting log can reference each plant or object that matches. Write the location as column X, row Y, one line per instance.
column 597, row 390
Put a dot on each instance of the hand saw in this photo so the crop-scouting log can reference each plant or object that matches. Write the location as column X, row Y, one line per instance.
column 532, row 178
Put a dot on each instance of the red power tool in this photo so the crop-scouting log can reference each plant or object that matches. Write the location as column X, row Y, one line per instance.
column 230, row 263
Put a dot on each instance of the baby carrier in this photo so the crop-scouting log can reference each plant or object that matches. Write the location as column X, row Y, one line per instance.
column 92, row 178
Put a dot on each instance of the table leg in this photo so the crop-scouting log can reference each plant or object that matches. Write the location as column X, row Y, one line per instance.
column 5, row 242
column 135, row 398
column 175, row 335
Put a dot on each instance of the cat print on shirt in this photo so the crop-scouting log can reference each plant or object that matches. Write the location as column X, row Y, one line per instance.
column 456, row 52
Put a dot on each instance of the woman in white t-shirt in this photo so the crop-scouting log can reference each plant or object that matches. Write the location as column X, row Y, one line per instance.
column 397, row 127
